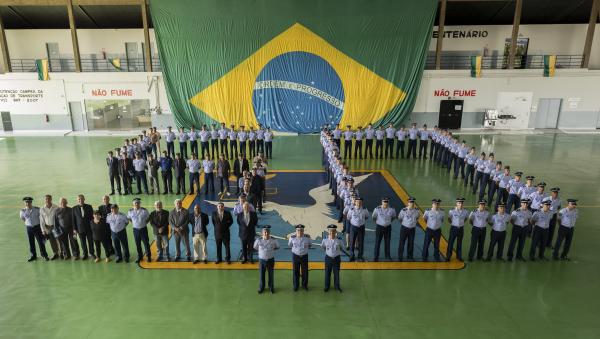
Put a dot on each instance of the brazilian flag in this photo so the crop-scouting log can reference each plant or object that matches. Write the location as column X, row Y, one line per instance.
column 292, row 65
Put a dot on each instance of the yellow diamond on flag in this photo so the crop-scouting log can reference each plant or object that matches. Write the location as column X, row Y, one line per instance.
column 367, row 96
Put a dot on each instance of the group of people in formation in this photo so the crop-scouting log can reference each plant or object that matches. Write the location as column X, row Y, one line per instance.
column 105, row 227
column 140, row 159
column 531, row 211
column 61, row 226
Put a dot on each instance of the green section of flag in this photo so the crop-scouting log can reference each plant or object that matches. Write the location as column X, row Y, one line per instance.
column 116, row 63
column 549, row 65
column 201, row 40
column 42, row 69
column 475, row 66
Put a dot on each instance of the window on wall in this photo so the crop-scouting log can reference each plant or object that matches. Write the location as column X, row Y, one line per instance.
column 117, row 114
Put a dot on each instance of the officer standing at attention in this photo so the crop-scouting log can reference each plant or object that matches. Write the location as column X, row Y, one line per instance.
column 503, row 180
column 520, row 219
column 242, row 138
column 434, row 218
column 183, row 137
column 412, row 141
column 566, row 218
column 424, row 140
column 223, row 134
column 170, row 138
column 117, row 222
column 139, row 218
column 300, row 244
column 541, row 221
column 498, row 222
column 358, row 136
column 193, row 166
column 513, row 187
column 554, row 207
column 408, row 218
column 166, row 164
column 456, row 217
column 208, row 166
column 214, row 141
column 232, row 134
column 266, row 246
column 333, row 249
column 379, row 135
column 400, row 135
column 470, row 161
column 357, row 216
column 348, row 135
column 269, row 143
column 192, row 137
column 30, row 215
column 479, row 219
column 369, row 135
column 390, row 133
column 204, row 136
column 260, row 139
column 337, row 136
column 383, row 216
column 252, row 142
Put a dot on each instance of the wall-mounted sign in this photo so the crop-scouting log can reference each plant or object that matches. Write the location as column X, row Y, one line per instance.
column 461, row 34
column 33, row 97
column 103, row 91
column 455, row 93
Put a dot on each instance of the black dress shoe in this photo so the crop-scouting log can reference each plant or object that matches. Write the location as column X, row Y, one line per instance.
column 326, row 289
column 189, row 258
column 84, row 257
column 305, row 288
column 205, row 261
column 244, row 261
column 338, row 289
column 295, row 289
column 177, row 258
column 113, row 193
column 228, row 262
column 46, row 258
column 32, row 258
column 137, row 261
column 118, row 260
column 195, row 262
column 217, row 262
column 54, row 257
column 272, row 290
column 127, row 260
column 260, row 291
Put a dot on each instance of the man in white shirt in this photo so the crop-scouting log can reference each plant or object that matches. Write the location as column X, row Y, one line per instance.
column 47, row 218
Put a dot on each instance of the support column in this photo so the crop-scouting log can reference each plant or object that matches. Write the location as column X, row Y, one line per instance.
column 74, row 39
column 440, row 37
column 515, row 34
column 4, row 49
column 147, row 55
column 589, row 37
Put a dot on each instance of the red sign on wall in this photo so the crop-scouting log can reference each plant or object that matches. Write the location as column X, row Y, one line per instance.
column 455, row 93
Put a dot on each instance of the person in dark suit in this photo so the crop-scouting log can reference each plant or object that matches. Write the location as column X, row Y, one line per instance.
column 239, row 166
column 126, row 172
column 82, row 216
column 199, row 221
column 247, row 221
column 223, row 172
column 113, row 173
column 222, row 220
column 179, row 167
column 104, row 210
column 256, row 189
column 179, row 219
column 67, row 241
column 159, row 219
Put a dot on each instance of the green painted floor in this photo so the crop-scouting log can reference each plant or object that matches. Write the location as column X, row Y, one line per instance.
column 485, row 300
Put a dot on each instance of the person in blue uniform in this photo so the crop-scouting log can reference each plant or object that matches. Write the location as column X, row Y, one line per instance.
column 300, row 243
column 470, row 160
column 383, row 216
column 117, row 222
column 456, row 217
column 498, row 222
column 390, row 134
column 424, row 136
column 520, row 219
column 513, row 187
column 567, row 217
column 379, row 137
column 408, row 218
column 556, row 205
column 139, row 217
column 434, row 217
column 266, row 246
column 412, row 141
column 357, row 216
column 30, row 215
column 332, row 246
column 479, row 219
column 541, row 224
column 358, row 138
column 369, row 136
column 348, row 135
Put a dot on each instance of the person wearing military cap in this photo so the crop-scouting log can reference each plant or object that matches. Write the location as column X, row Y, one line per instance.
column 337, row 136
column 412, row 141
column 456, row 217
column 513, row 187
column 300, row 243
column 566, row 219
column 117, row 222
column 333, row 249
column 555, row 206
column 479, row 219
column 435, row 219
column 538, row 196
column 520, row 219
column 139, row 217
column 408, row 218
column 30, row 215
column 541, row 220
column 266, row 246
column 383, row 216
column 498, row 222
column 358, row 137
column 357, row 217
column 379, row 137
column 369, row 134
